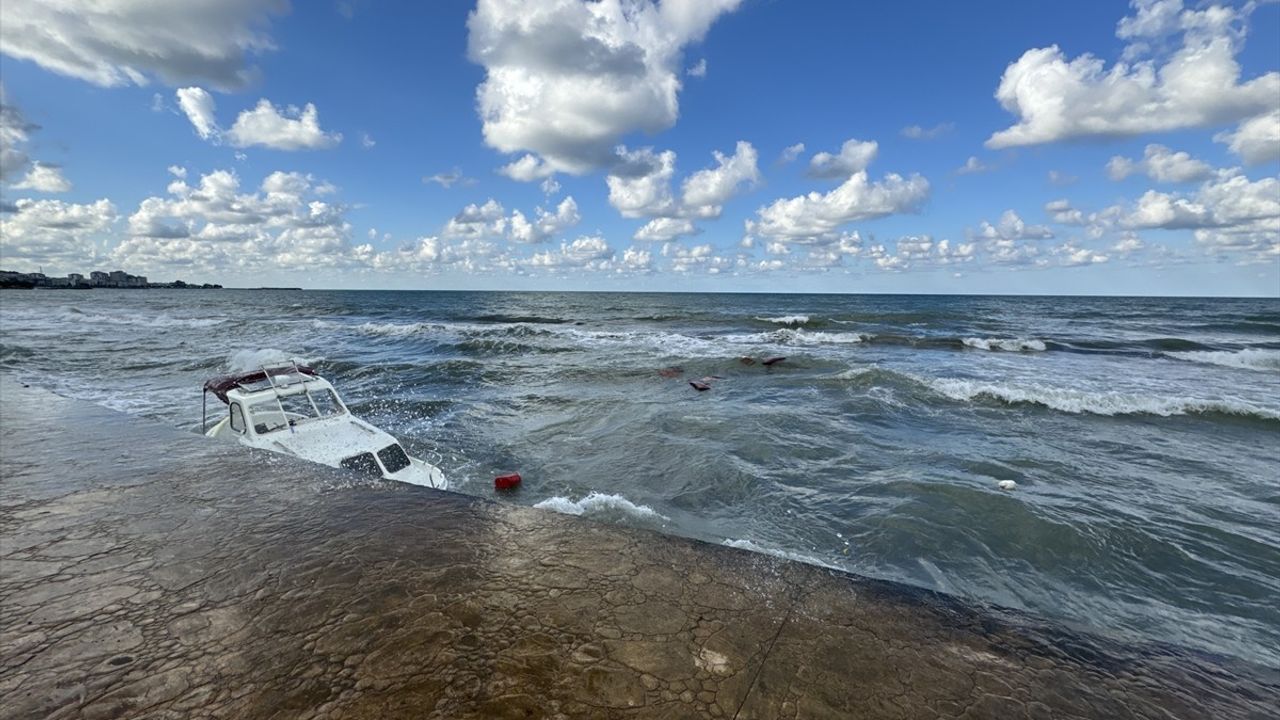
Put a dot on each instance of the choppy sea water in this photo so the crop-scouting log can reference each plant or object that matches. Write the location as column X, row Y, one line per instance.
column 1143, row 434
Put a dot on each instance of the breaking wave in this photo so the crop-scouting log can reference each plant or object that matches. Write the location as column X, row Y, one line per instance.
column 786, row 319
column 1007, row 345
column 1096, row 403
column 1248, row 359
column 250, row 360
column 778, row 552
column 598, row 503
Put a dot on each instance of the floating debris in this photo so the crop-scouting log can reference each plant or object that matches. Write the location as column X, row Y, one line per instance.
column 770, row 362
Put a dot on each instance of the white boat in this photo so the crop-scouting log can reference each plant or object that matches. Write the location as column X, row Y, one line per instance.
column 291, row 410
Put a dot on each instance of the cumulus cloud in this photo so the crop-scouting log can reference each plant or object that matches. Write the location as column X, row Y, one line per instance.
column 44, row 178
column 1198, row 85
column 1230, row 215
column 565, row 80
column 282, row 225
column 640, row 186
column 1012, row 227
column 123, row 42
column 1063, row 213
column 818, row 217
column 589, row 253
column 292, row 129
column 1256, row 140
column 265, row 125
column 854, row 157
column 490, row 221
column 699, row 69
column 1160, row 164
column 52, row 232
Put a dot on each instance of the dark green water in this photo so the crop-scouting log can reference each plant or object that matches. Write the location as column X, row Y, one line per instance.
column 1143, row 434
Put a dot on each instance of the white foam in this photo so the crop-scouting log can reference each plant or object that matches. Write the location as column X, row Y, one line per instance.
column 777, row 552
column 598, row 502
column 789, row 336
column 786, row 319
column 1248, row 359
column 1096, row 403
column 1005, row 344
column 391, row 329
column 75, row 315
column 250, row 360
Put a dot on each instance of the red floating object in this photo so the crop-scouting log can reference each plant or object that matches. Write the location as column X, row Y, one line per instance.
column 506, row 482
column 772, row 361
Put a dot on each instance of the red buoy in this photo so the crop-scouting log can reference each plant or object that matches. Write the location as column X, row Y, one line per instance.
column 506, row 482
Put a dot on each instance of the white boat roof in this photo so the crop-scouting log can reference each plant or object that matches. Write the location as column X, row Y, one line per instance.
column 330, row 440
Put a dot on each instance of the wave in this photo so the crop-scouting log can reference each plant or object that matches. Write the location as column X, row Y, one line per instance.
column 532, row 319
column 1007, row 345
column 786, row 319
column 1093, row 402
column 249, row 360
column 391, row 329
column 598, row 503
column 777, row 552
column 1248, row 359
column 76, row 315
column 789, row 336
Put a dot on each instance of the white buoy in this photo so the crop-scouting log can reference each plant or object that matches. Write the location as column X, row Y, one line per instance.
column 1007, row 485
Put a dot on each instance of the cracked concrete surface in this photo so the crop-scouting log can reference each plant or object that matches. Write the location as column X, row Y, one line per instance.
column 150, row 573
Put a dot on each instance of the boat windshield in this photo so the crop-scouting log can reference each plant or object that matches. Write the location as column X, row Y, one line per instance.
column 300, row 407
column 394, row 458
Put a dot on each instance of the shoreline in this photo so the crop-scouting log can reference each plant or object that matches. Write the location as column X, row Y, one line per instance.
column 149, row 571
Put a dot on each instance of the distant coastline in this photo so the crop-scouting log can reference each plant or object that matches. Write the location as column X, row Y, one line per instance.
column 98, row 279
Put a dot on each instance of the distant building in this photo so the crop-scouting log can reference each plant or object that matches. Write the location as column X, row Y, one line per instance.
column 76, row 279
column 99, row 278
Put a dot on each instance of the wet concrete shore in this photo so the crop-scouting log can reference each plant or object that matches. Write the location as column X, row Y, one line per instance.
column 146, row 572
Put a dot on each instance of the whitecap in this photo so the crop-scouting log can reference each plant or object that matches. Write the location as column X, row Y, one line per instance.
column 598, row 502
column 786, row 319
column 1096, row 403
column 249, row 360
column 1005, row 344
column 1247, row 359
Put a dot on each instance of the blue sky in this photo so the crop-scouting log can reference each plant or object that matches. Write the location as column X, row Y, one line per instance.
column 1061, row 148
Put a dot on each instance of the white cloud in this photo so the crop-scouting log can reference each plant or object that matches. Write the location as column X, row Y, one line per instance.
column 666, row 229
column 566, row 80
column 971, row 166
column 366, row 141
column 292, row 129
column 1199, row 85
column 527, row 169
column 640, row 186
column 705, row 192
column 1061, row 212
column 699, row 69
column 282, row 225
column 1160, row 164
column 545, row 224
column 1229, row 201
column 1012, row 227
column 1256, row 140
column 52, row 232
column 121, row 42
column 916, row 132
column 1060, row 178
column 854, row 157
column 491, row 222
column 198, row 106
column 550, row 186
column 817, row 217
column 589, row 253
column 44, row 178
column 790, row 153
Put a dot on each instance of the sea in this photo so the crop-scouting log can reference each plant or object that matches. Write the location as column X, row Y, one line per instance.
column 1142, row 434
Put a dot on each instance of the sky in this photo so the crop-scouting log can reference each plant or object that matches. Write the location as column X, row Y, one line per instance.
column 682, row 145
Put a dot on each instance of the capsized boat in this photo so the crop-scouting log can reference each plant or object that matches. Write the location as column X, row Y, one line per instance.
column 289, row 409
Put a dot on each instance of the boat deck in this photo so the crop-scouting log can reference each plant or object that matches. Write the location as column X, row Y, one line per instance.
column 146, row 572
